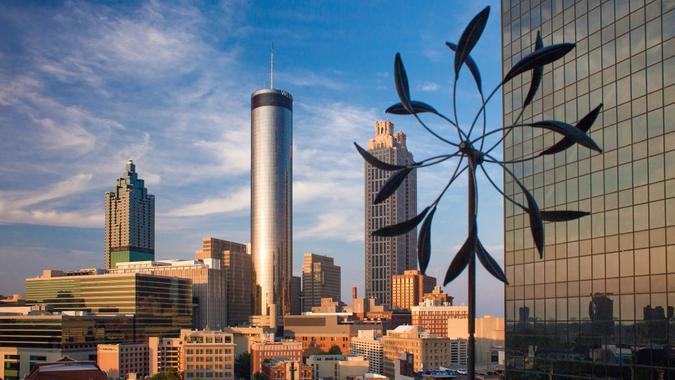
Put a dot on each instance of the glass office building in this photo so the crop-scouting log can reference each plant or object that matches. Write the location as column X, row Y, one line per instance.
column 160, row 305
column 600, row 303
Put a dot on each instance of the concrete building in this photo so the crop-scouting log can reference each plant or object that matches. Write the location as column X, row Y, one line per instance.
column 385, row 257
column 209, row 286
column 129, row 220
column 160, row 305
column 437, row 295
column 428, row 351
column 271, row 200
column 624, row 59
column 369, row 345
column 337, row 367
column 267, row 350
column 408, row 289
column 197, row 354
column 283, row 369
column 244, row 336
column 30, row 339
column 236, row 261
column 489, row 339
column 320, row 279
column 123, row 360
column 320, row 332
column 432, row 316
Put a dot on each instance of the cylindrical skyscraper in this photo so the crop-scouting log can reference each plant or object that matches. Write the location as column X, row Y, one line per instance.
column 271, row 201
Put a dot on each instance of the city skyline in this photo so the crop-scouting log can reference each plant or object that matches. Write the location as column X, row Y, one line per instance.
column 186, row 145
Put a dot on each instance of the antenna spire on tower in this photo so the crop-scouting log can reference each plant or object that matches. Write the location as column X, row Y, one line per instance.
column 272, row 67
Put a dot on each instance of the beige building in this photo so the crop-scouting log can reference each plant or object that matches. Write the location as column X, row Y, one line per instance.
column 235, row 259
column 385, row 257
column 121, row 360
column 320, row 332
column 129, row 220
column 320, row 279
column 433, row 316
column 266, row 350
column 369, row 344
column 428, row 351
column 489, row 338
column 408, row 289
column 337, row 367
column 197, row 354
column 209, row 286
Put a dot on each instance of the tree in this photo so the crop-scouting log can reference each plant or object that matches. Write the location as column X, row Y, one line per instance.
column 170, row 374
column 260, row 376
column 334, row 350
column 242, row 366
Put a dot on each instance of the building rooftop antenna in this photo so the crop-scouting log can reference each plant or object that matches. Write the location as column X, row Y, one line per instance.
column 272, row 67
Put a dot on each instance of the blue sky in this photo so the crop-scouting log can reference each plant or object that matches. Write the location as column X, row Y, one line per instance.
column 86, row 86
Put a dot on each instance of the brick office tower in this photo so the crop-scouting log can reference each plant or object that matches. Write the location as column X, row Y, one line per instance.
column 388, row 256
column 129, row 221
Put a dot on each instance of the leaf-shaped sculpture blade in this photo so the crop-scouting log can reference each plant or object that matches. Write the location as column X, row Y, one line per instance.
column 416, row 106
column 576, row 135
column 461, row 259
column 470, row 37
column 537, row 74
column 376, row 162
column 401, row 81
column 489, row 263
column 536, row 222
column 471, row 64
column 563, row 215
column 424, row 242
column 584, row 125
column 391, row 185
column 403, row 227
column 537, row 58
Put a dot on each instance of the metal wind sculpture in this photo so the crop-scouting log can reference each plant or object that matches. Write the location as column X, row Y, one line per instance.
column 471, row 150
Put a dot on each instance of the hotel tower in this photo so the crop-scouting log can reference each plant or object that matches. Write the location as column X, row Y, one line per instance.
column 271, row 201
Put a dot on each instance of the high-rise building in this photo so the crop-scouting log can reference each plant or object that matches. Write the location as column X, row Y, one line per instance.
column 385, row 257
column 271, row 201
column 433, row 316
column 581, row 311
column 129, row 220
column 408, row 289
column 296, row 295
column 428, row 351
column 320, row 279
column 235, row 260
column 209, row 287
column 159, row 305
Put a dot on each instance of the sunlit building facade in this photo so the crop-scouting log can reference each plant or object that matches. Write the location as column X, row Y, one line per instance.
column 387, row 256
column 600, row 302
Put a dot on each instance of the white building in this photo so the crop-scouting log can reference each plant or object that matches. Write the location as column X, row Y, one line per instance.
column 370, row 346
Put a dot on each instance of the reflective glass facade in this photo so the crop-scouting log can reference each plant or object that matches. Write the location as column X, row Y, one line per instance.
column 271, row 200
column 600, row 303
column 161, row 305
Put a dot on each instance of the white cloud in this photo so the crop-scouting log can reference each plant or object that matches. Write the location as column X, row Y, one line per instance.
column 237, row 200
column 428, row 87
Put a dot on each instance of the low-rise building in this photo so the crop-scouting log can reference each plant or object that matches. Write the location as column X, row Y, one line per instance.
column 268, row 350
column 432, row 316
column 337, row 367
column 244, row 336
column 320, row 332
column 30, row 339
column 121, row 360
column 429, row 351
column 369, row 345
column 66, row 368
column 283, row 369
column 197, row 354
column 489, row 339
